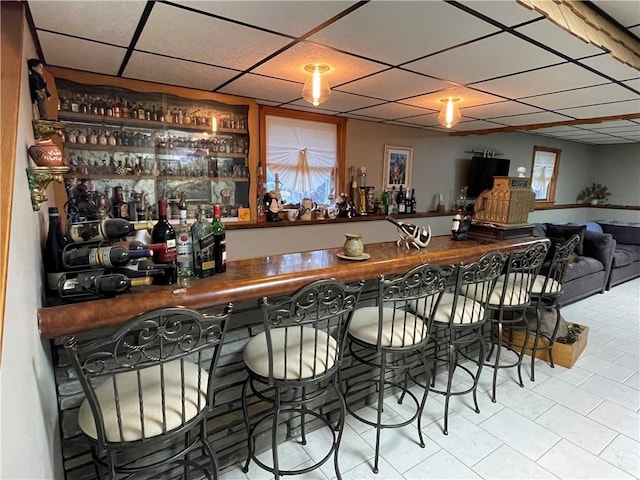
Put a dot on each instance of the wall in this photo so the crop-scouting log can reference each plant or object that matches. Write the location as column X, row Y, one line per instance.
column 624, row 178
column 30, row 439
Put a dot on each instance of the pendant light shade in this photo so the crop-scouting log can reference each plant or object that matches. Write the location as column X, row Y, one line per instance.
column 450, row 113
column 316, row 87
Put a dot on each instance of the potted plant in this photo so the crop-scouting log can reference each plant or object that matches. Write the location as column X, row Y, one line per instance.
column 596, row 193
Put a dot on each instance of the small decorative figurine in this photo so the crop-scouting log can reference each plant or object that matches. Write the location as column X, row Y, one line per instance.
column 411, row 234
column 272, row 206
column 38, row 87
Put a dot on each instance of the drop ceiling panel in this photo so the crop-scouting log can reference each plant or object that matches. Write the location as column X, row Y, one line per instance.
column 560, row 129
column 391, row 111
column 263, row 88
column 507, row 13
column 402, row 31
column 605, row 63
column 289, row 65
column 474, row 125
column 468, row 98
column 407, row 84
column 614, row 125
column 559, row 39
column 81, row 54
column 109, row 22
column 485, row 59
column 633, row 83
column 300, row 17
column 531, row 118
column 206, row 39
column 154, row 68
column 626, row 13
column 545, row 80
column 584, row 96
column 428, row 120
column 343, row 102
column 605, row 110
column 498, row 109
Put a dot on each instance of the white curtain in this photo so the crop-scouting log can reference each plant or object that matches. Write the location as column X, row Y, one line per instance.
column 302, row 152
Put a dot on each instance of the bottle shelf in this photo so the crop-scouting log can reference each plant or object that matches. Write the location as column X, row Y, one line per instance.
column 206, row 179
column 136, row 122
column 178, row 156
column 108, row 148
column 108, row 176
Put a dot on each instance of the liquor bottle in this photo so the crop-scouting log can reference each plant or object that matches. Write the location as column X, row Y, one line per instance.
column 74, row 256
column 400, row 201
column 262, row 190
column 203, row 241
column 109, row 229
column 119, row 208
column 52, row 255
column 219, row 241
column 164, row 233
column 184, row 245
column 455, row 224
column 420, row 236
column 393, row 206
column 91, row 284
column 413, row 200
column 385, row 202
column 408, row 205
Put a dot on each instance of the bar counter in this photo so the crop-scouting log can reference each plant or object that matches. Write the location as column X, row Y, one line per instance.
column 254, row 278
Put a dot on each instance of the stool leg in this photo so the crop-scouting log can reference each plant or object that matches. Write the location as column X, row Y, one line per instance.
column 476, row 380
column 451, row 369
column 208, row 449
column 245, row 413
column 536, row 338
column 524, row 347
column 383, row 361
column 424, row 398
column 339, row 429
column 497, row 359
column 303, row 430
column 274, row 433
column 552, row 340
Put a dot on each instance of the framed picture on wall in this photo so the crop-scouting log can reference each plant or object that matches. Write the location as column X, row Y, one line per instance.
column 397, row 166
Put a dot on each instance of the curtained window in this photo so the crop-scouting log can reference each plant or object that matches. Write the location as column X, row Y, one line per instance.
column 544, row 173
column 304, row 151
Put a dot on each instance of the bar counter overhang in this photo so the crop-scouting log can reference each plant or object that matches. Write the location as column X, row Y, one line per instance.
column 253, row 278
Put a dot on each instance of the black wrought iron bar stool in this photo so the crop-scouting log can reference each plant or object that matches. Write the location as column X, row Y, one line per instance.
column 508, row 305
column 458, row 323
column 149, row 388
column 293, row 368
column 390, row 337
column 545, row 292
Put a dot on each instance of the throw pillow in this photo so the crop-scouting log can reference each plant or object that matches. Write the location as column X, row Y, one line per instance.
column 562, row 233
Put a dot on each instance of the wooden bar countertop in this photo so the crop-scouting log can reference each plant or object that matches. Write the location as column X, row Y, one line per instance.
column 254, row 278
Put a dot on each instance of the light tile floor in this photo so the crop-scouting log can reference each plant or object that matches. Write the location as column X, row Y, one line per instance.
column 576, row 423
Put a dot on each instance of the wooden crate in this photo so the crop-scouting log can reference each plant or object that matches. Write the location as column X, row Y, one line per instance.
column 563, row 354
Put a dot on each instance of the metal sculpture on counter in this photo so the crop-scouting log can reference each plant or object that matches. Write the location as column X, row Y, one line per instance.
column 411, row 234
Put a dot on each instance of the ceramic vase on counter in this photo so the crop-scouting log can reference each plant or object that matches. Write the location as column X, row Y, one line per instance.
column 353, row 246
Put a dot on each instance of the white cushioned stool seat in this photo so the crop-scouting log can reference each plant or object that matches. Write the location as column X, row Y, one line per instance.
column 467, row 310
column 127, row 384
column 553, row 286
column 364, row 326
column 516, row 291
column 313, row 352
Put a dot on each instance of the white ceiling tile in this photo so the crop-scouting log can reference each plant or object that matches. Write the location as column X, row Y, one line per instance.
column 615, row 125
column 545, row 80
column 81, row 54
column 300, row 17
column 531, row 118
column 509, row 12
column 468, row 98
column 112, row 22
column 558, row 129
column 498, row 109
column 391, row 111
column 263, row 88
column 289, row 65
column 610, row 92
column 488, row 58
column 474, row 125
column 626, row 13
column 608, row 65
column 548, row 33
column 206, row 39
column 428, row 120
column 605, row 110
column 402, row 31
column 154, row 68
column 633, row 83
column 343, row 102
column 407, row 84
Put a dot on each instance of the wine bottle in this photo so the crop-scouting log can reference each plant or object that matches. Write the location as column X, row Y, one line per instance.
column 400, row 200
column 393, row 206
column 408, row 205
column 92, row 284
column 52, row 255
column 219, row 241
column 163, row 232
column 119, row 207
column 109, row 229
column 184, row 245
column 203, row 241
column 74, row 256
column 385, row 202
column 413, row 200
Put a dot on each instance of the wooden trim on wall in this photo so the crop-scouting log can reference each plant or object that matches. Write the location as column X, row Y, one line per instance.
column 11, row 28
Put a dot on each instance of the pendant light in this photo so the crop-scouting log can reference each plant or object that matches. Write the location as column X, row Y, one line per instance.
column 450, row 113
column 316, row 87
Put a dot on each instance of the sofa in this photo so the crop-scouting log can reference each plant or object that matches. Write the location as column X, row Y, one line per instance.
column 590, row 268
column 626, row 255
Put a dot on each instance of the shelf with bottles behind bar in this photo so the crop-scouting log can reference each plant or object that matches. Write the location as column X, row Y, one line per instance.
column 149, row 142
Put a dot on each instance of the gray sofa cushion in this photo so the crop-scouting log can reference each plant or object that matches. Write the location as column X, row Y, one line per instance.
column 627, row 233
column 583, row 266
column 625, row 255
column 562, row 233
